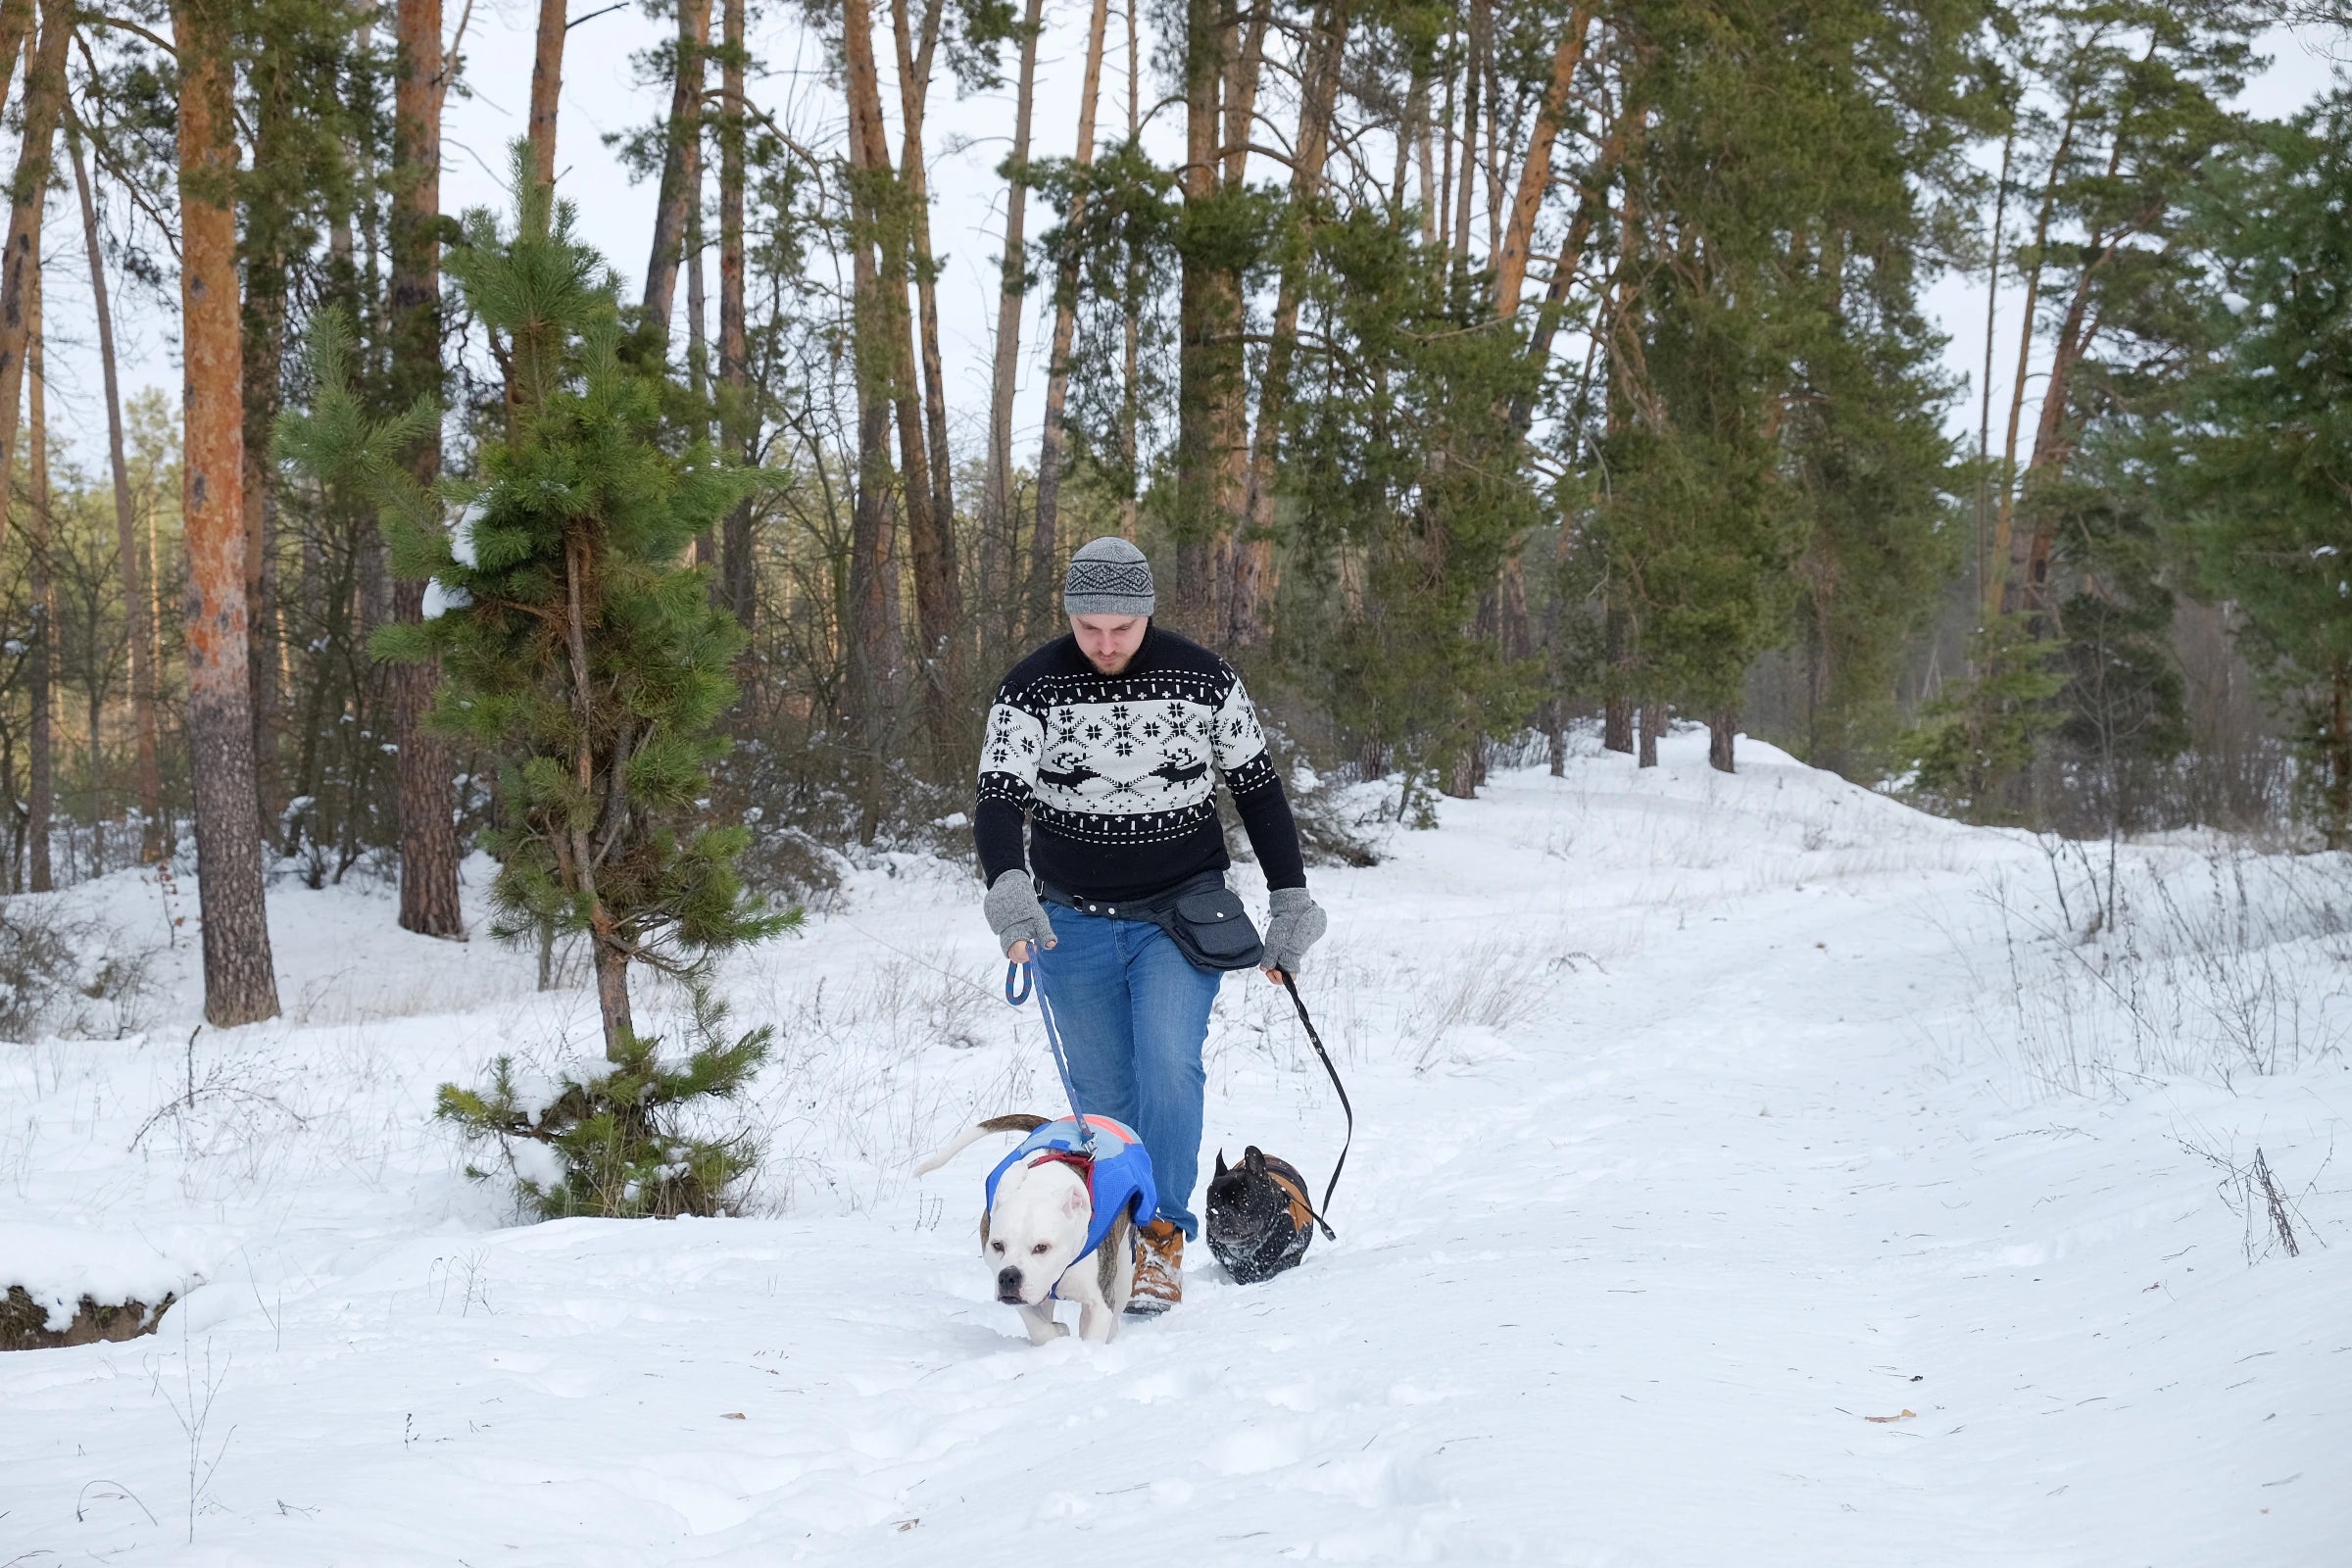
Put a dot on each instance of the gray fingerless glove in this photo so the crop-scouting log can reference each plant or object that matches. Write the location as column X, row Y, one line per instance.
column 1293, row 924
column 1015, row 915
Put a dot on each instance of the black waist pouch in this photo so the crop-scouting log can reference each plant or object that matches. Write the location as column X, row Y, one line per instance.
column 1208, row 925
column 1202, row 917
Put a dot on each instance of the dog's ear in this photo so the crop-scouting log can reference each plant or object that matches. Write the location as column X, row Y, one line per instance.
column 1253, row 1162
column 1220, row 1162
column 1078, row 1202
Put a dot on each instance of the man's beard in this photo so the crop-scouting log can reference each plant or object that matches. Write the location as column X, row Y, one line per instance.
column 1117, row 668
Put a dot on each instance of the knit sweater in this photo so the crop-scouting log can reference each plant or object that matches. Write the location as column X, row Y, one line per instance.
column 1116, row 775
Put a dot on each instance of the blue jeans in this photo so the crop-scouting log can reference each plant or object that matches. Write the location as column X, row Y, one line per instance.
column 1133, row 1013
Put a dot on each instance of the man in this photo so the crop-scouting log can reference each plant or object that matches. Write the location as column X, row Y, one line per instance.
column 1109, row 742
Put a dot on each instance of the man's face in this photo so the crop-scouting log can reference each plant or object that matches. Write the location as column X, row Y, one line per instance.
column 1109, row 641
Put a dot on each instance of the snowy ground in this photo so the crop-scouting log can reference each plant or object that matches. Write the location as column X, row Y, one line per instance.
column 1704, row 1124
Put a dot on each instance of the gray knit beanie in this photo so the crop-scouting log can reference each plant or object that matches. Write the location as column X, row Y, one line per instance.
column 1109, row 576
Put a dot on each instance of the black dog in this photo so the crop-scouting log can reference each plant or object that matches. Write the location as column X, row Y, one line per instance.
column 1259, row 1220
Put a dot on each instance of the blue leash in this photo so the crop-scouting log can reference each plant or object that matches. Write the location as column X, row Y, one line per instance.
column 1026, row 972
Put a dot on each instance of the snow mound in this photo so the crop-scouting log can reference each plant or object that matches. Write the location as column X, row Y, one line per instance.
column 58, row 1266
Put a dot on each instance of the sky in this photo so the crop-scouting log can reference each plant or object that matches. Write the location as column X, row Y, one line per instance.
column 968, row 137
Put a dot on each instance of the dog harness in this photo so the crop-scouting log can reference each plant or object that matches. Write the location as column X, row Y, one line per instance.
column 1113, row 1160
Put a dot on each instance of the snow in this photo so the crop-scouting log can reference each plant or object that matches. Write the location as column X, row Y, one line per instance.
column 1701, row 1122
column 440, row 598
column 461, row 533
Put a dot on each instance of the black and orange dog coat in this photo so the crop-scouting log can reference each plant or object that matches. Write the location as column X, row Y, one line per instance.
column 1260, row 1217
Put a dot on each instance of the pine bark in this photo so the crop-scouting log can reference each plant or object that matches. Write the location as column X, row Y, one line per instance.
column 1998, row 595
column 931, row 527
column 1476, row 40
column 886, row 349
column 1249, row 616
column 996, row 539
column 738, row 424
column 40, row 656
column 1723, row 726
column 428, row 838
column 1425, row 161
column 2026, row 583
column 1132, row 322
column 547, row 86
column 1535, row 176
column 147, row 775
column 240, row 980
column 1212, row 458
column 16, row 20
column 43, row 101
column 871, row 630
column 1044, row 541
column 681, row 163
column 264, row 321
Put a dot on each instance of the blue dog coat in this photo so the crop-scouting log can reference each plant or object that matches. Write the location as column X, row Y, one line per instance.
column 1118, row 1176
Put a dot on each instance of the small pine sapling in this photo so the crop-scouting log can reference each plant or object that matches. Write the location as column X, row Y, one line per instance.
column 578, row 647
column 624, row 1143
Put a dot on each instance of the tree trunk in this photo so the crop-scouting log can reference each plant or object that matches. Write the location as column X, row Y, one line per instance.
column 738, row 424
column 547, row 86
column 1417, row 113
column 2026, row 583
column 240, row 981
column 1617, row 711
column 1446, row 140
column 15, row 20
column 1231, row 391
column 28, row 195
column 1132, row 311
column 428, row 838
column 1210, row 354
column 698, row 342
column 996, row 539
column 1996, row 596
column 612, row 955
column 1723, row 725
column 1653, row 726
column 872, row 633
column 1251, row 612
column 681, row 163
column 1476, row 45
column 147, row 773
column 40, row 658
column 1535, row 176
column 1044, row 540
column 264, row 325
column 938, row 595
column 2337, row 782
column 886, row 334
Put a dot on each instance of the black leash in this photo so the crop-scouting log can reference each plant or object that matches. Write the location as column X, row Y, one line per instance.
column 1292, row 985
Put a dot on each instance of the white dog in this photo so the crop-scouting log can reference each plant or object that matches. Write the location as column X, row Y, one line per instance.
column 1039, row 1235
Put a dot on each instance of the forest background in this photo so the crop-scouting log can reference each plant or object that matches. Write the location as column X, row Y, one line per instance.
column 1944, row 391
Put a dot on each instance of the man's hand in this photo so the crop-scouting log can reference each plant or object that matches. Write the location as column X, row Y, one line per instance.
column 1295, row 923
column 1017, row 918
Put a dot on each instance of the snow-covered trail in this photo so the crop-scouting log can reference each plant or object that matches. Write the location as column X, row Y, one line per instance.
column 1669, row 1175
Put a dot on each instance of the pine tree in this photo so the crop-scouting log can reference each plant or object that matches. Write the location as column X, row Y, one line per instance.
column 2264, row 445
column 573, row 645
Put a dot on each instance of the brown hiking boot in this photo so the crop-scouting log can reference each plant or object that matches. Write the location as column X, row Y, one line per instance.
column 1158, row 1269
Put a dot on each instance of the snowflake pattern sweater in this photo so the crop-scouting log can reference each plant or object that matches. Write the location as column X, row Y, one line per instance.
column 1116, row 775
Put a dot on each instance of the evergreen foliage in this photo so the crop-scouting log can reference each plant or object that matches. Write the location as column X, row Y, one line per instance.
column 574, row 642
column 2263, row 453
column 630, row 1142
column 578, row 651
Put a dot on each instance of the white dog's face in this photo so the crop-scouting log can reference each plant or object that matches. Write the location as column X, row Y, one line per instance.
column 1035, row 1230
